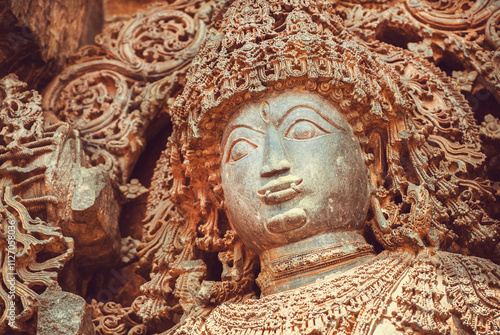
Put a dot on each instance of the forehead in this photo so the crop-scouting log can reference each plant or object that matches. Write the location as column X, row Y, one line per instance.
column 279, row 105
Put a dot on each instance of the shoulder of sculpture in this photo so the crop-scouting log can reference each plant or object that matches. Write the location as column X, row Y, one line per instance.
column 438, row 292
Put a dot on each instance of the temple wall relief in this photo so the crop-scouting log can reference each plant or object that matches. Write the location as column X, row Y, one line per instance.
column 134, row 249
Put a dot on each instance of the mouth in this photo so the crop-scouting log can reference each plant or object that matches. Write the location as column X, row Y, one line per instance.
column 281, row 189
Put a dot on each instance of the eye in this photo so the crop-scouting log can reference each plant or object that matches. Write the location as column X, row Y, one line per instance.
column 240, row 149
column 304, row 130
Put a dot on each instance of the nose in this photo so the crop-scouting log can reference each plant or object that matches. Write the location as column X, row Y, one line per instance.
column 275, row 161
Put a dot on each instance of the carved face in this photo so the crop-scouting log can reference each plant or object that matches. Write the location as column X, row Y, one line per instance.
column 292, row 168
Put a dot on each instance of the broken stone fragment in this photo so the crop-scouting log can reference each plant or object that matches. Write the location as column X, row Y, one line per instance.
column 63, row 313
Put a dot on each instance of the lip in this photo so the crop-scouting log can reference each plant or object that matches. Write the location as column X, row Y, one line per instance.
column 279, row 190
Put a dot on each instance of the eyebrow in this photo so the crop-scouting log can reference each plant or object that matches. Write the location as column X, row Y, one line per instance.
column 233, row 127
column 283, row 117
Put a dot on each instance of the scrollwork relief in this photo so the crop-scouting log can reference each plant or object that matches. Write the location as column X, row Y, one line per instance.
column 33, row 250
column 114, row 90
column 361, row 111
column 156, row 42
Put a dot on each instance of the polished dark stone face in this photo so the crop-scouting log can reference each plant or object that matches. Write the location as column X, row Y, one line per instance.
column 292, row 168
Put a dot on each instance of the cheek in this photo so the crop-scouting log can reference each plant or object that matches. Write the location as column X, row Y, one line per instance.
column 229, row 182
column 317, row 161
column 348, row 165
column 334, row 165
column 238, row 179
column 351, row 182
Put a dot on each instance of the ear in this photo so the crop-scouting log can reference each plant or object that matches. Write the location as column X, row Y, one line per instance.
column 378, row 166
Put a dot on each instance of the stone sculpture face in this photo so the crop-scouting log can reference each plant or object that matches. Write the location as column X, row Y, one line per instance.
column 292, row 168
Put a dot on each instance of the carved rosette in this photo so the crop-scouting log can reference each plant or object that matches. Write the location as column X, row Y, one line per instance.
column 490, row 128
column 96, row 102
column 113, row 91
column 155, row 42
column 452, row 15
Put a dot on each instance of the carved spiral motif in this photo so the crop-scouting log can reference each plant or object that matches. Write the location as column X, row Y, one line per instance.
column 90, row 101
column 95, row 100
column 154, row 44
column 452, row 15
column 493, row 30
column 93, row 104
column 105, row 95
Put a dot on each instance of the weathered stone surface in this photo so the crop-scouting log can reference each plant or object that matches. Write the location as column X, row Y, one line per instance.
column 327, row 167
column 60, row 27
column 66, row 166
column 37, row 250
column 20, row 52
column 63, row 313
column 122, row 10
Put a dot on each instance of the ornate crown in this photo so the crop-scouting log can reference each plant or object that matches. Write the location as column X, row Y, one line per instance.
column 263, row 45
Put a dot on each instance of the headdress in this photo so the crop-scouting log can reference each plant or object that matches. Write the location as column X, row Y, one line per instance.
column 263, row 45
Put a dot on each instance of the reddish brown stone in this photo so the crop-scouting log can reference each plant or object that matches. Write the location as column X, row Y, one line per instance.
column 63, row 313
column 330, row 167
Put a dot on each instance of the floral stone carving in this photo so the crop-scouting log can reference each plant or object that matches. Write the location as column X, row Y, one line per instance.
column 326, row 173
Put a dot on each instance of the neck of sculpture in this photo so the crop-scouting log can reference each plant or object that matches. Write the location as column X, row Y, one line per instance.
column 303, row 262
